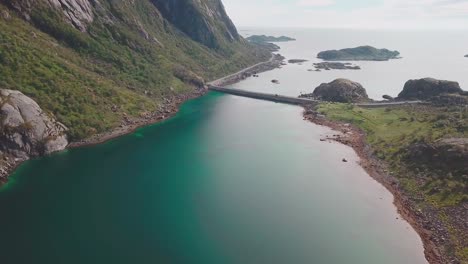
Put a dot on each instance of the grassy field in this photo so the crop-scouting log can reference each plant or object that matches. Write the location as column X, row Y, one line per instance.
column 392, row 131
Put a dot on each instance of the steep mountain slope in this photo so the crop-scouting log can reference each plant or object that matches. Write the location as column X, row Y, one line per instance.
column 213, row 25
column 91, row 63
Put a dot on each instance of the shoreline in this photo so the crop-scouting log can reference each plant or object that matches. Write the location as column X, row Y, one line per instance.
column 130, row 125
column 170, row 109
column 350, row 136
column 356, row 138
column 172, row 106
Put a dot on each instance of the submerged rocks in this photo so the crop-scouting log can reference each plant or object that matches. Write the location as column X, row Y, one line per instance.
column 296, row 61
column 340, row 90
column 366, row 53
column 26, row 130
column 424, row 89
column 335, row 66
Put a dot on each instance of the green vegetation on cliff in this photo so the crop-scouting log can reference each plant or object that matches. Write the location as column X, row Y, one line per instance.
column 363, row 53
column 124, row 59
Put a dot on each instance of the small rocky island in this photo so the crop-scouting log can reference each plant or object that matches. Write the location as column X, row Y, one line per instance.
column 335, row 66
column 466, row 56
column 296, row 61
column 341, row 91
column 363, row 53
column 264, row 38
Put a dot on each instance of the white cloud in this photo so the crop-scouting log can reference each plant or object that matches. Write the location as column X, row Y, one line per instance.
column 315, row 3
column 390, row 14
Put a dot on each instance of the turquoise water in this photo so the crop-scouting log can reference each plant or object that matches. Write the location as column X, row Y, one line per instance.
column 228, row 180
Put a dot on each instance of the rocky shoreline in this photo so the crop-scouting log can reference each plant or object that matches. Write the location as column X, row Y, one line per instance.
column 426, row 223
column 129, row 124
column 422, row 222
column 171, row 105
column 169, row 108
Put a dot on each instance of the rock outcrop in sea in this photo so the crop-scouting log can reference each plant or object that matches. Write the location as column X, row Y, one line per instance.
column 335, row 66
column 340, row 90
column 296, row 61
column 427, row 88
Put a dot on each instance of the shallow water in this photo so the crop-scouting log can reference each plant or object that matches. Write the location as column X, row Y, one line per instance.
column 228, row 180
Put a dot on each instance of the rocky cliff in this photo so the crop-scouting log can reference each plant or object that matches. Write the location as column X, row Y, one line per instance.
column 94, row 63
column 27, row 130
column 427, row 88
column 340, row 90
column 205, row 21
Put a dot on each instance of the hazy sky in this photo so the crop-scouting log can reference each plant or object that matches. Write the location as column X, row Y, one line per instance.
column 400, row 14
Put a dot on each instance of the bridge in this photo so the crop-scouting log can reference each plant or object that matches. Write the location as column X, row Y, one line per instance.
column 264, row 96
column 299, row 101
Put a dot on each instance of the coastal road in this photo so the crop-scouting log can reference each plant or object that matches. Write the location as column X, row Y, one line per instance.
column 385, row 104
column 216, row 86
column 220, row 80
column 296, row 100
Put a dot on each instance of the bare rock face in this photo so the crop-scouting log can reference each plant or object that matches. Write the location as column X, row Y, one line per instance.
column 78, row 12
column 26, row 130
column 6, row 15
column 203, row 21
column 340, row 90
column 427, row 88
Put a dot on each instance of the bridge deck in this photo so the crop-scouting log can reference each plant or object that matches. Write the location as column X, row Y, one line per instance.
column 264, row 96
column 296, row 100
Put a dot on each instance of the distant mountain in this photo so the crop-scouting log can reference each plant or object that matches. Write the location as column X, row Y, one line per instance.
column 364, row 53
column 93, row 63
